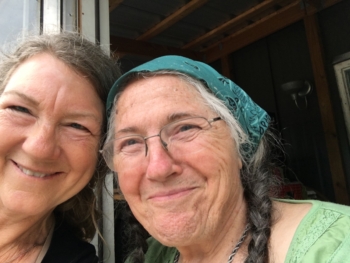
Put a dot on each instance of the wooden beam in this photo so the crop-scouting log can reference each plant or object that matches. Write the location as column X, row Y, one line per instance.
column 264, row 27
column 249, row 14
column 121, row 46
column 226, row 67
column 315, row 3
column 113, row 4
column 172, row 19
column 327, row 115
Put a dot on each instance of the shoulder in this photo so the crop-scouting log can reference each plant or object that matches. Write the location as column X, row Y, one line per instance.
column 157, row 253
column 319, row 205
column 323, row 235
column 66, row 247
column 287, row 217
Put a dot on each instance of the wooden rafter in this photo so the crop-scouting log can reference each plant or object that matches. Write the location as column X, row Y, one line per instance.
column 315, row 3
column 262, row 28
column 122, row 46
column 226, row 67
column 283, row 17
column 172, row 19
column 327, row 115
column 246, row 16
column 113, row 4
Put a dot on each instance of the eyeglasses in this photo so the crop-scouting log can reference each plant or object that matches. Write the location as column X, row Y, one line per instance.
column 176, row 134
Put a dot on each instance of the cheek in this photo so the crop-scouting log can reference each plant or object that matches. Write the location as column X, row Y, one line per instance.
column 129, row 181
column 86, row 155
column 218, row 162
column 84, row 158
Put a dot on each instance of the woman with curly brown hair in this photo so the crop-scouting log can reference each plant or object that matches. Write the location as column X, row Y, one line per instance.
column 52, row 121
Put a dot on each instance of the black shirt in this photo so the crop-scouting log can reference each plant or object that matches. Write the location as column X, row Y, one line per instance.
column 65, row 247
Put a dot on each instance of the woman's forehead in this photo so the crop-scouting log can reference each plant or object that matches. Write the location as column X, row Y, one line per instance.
column 167, row 88
column 161, row 96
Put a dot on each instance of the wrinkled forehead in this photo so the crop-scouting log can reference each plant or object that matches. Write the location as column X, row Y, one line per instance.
column 169, row 87
column 151, row 103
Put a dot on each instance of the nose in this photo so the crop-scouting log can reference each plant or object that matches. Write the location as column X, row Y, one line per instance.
column 164, row 144
column 41, row 142
column 161, row 164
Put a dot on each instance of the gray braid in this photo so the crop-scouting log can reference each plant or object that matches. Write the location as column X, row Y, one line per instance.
column 259, row 218
column 258, row 183
column 256, row 177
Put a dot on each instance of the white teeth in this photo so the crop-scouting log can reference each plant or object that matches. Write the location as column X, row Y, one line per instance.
column 31, row 173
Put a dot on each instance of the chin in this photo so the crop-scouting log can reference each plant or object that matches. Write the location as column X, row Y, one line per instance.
column 174, row 230
column 26, row 205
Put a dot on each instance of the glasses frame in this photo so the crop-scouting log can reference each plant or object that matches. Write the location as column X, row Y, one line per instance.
column 164, row 144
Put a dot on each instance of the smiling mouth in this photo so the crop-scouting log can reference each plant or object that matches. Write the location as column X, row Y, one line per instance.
column 171, row 194
column 32, row 173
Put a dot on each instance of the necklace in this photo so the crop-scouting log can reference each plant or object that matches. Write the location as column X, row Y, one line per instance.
column 234, row 251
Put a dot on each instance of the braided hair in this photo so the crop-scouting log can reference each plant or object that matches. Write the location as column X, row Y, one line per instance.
column 255, row 175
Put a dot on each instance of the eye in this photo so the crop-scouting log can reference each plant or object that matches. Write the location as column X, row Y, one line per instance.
column 132, row 141
column 78, row 127
column 184, row 127
column 187, row 127
column 19, row 109
column 183, row 130
column 129, row 144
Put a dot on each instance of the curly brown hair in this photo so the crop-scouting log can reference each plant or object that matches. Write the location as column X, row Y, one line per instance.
column 89, row 60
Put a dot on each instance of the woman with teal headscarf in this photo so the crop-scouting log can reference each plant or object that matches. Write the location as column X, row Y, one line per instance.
column 190, row 150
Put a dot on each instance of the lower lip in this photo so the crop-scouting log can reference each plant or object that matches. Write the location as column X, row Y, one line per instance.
column 173, row 196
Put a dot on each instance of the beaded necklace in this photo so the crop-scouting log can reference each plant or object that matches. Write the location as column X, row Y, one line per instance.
column 234, row 251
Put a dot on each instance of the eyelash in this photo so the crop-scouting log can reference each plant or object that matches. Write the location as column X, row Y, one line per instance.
column 79, row 127
column 24, row 110
column 19, row 109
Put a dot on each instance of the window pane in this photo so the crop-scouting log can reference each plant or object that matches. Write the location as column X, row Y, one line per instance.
column 18, row 18
column 347, row 79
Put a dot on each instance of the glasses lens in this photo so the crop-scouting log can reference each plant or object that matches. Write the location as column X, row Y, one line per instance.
column 129, row 147
column 132, row 149
column 184, row 130
column 107, row 153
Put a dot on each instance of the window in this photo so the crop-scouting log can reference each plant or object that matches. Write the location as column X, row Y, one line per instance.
column 342, row 72
column 18, row 18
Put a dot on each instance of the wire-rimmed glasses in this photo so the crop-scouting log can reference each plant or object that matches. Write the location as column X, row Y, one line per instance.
column 134, row 147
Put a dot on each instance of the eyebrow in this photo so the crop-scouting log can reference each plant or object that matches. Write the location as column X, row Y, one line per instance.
column 132, row 129
column 36, row 103
column 23, row 96
column 179, row 115
column 172, row 117
column 83, row 116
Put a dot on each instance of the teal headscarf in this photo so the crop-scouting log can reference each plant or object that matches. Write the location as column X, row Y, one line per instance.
column 253, row 119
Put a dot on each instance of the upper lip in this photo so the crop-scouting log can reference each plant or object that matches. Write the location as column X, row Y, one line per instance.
column 35, row 170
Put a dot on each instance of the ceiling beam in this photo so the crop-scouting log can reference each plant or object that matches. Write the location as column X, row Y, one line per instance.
column 249, row 14
column 316, row 3
column 326, row 110
column 264, row 27
column 121, row 46
column 172, row 19
column 113, row 4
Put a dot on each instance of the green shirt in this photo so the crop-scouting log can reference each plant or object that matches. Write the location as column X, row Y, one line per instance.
column 323, row 236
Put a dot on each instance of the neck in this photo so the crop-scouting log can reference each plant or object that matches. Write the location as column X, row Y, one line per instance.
column 21, row 235
column 219, row 245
